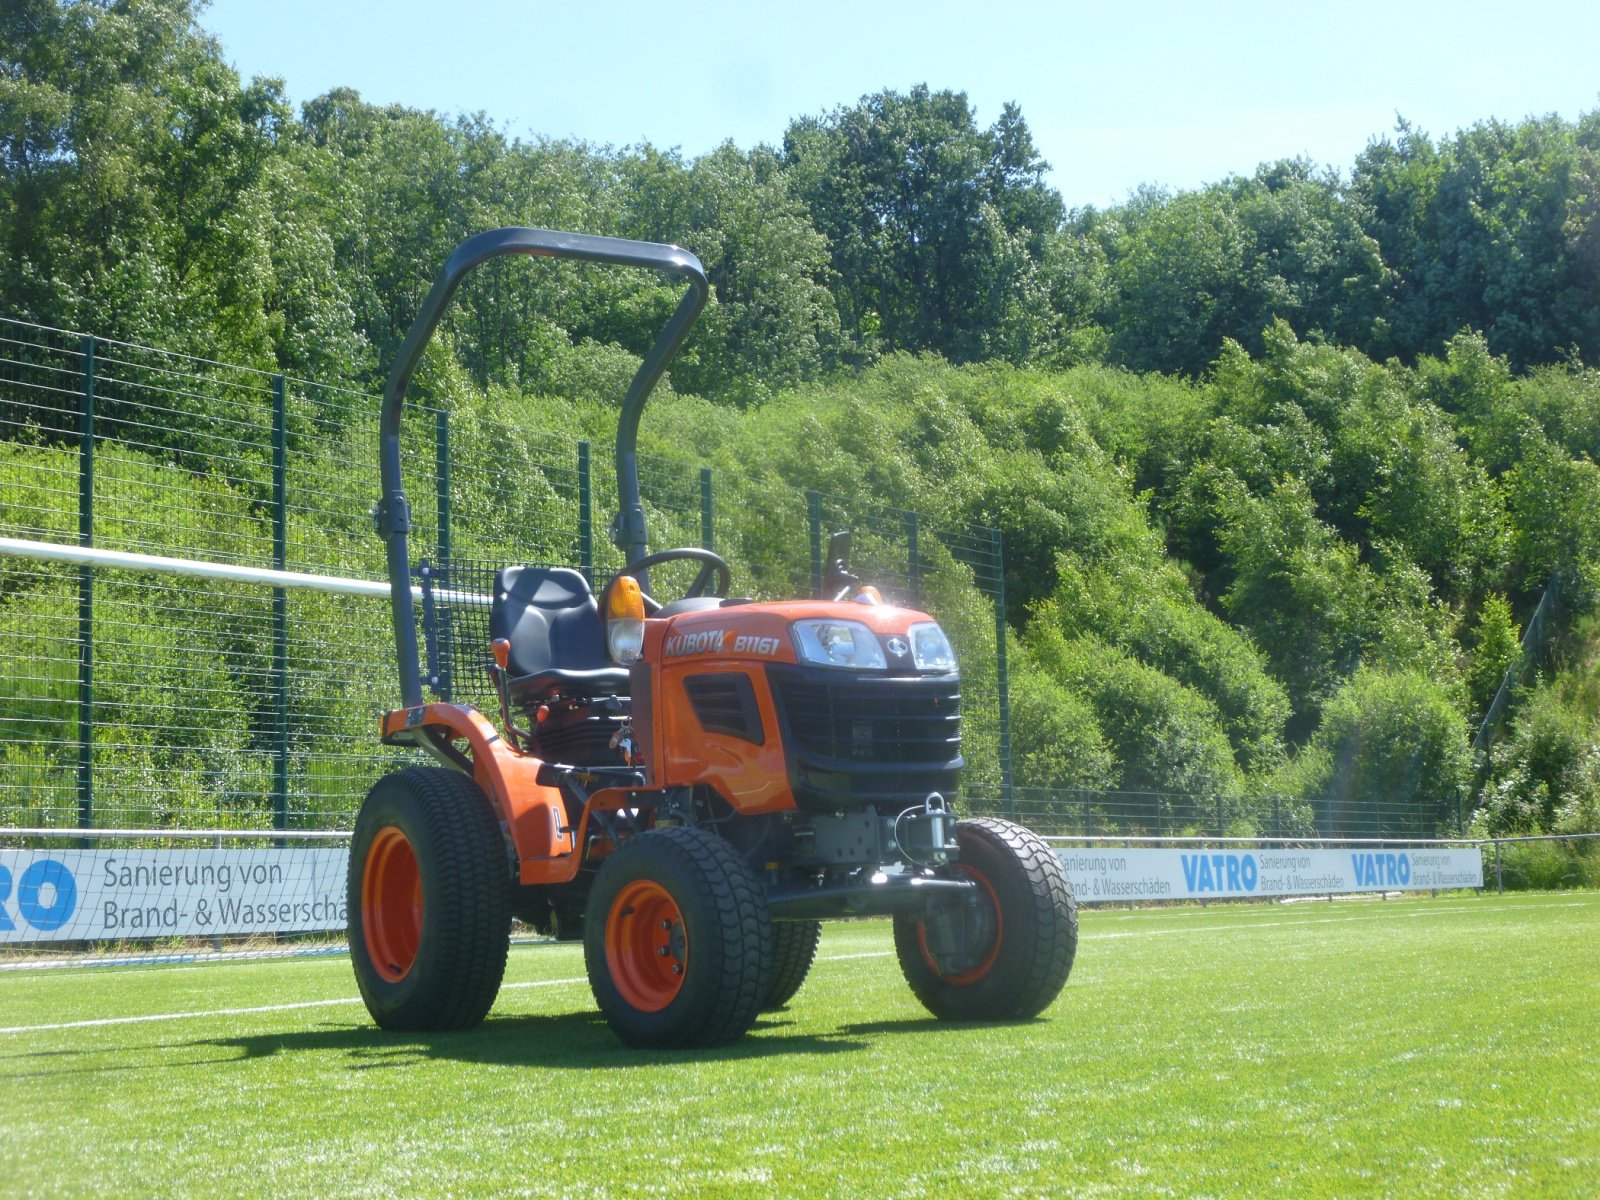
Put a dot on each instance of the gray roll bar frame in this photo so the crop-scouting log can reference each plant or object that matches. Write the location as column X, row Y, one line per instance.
column 393, row 515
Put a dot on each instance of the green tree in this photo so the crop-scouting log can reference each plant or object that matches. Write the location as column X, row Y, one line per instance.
column 1495, row 647
column 1489, row 230
column 773, row 321
column 1391, row 756
column 1315, row 609
column 1184, row 273
column 935, row 226
column 1548, row 762
column 1164, row 736
column 1055, row 738
column 136, row 177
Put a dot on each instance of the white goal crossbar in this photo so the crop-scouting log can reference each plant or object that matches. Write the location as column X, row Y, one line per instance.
column 124, row 560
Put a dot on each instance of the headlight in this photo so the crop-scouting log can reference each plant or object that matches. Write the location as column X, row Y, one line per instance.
column 624, row 620
column 624, row 640
column 838, row 644
column 930, row 649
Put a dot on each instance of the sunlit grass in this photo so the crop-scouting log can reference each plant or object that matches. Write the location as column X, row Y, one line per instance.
column 1439, row 1047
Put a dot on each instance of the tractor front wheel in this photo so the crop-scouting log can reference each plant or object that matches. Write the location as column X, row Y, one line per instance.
column 428, row 901
column 1003, row 952
column 677, row 940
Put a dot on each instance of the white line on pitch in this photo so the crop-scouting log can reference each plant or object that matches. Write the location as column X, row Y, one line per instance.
column 864, row 954
column 238, row 1012
column 533, row 983
column 1265, row 924
column 215, row 1012
column 100, row 1022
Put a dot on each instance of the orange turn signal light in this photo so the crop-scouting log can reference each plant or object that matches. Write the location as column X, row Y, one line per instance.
column 625, row 601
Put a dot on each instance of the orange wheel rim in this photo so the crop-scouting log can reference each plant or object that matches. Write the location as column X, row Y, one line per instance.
column 647, row 950
column 992, row 902
column 391, row 904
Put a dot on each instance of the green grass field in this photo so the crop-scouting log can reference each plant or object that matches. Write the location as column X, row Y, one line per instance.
column 1426, row 1047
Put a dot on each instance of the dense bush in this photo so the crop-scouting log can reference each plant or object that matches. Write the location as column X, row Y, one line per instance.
column 1283, row 465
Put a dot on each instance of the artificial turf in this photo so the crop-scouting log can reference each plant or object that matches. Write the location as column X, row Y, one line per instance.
column 1425, row 1047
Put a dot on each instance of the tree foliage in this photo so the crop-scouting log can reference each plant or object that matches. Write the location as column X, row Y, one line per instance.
column 1282, row 464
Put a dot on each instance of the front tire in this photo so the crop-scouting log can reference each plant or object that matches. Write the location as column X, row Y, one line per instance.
column 677, row 940
column 428, row 898
column 1007, row 956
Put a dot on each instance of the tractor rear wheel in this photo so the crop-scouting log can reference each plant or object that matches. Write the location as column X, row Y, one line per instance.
column 1005, row 953
column 794, row 948
column 428, row 901
column 677, row 940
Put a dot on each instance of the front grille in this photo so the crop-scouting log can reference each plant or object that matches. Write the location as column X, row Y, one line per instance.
column 916, row 722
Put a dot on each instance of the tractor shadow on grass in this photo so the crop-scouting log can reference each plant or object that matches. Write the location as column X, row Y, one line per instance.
column 579, row 1041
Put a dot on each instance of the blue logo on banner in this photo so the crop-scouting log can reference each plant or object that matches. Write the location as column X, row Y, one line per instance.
column 31, row 905
column 1220, row 872
column 1381, row 870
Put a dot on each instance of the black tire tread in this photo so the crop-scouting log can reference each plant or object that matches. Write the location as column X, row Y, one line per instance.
column 467, row 922
column 794, row 949
column 1033, row 969
column 740, row 944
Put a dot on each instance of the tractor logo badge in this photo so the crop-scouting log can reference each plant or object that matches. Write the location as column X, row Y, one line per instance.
column 899, row 647
column 682, row 644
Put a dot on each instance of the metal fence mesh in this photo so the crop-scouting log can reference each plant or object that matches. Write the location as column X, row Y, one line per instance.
column 139, row 700
column 132, row 700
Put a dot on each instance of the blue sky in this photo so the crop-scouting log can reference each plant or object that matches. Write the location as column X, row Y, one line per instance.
column 1175, row 94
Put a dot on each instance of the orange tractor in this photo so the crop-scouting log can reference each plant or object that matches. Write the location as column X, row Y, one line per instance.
column 689, row 786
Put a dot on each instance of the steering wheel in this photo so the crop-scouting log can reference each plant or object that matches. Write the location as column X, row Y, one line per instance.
column 710, row 565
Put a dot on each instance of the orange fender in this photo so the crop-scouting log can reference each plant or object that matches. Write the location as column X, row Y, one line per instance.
column 535, row 815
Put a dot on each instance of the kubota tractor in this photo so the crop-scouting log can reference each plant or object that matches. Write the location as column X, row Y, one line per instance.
column 688, row 786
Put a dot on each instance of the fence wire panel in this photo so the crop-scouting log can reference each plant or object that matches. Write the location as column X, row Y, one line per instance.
column 39, row 710
column 130, row 699
column 1080, row 812
column 134, row 700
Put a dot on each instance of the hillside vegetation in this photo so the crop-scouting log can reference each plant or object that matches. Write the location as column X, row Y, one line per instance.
column 1283, row 465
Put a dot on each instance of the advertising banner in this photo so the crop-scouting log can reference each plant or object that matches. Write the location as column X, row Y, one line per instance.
column 100, row 895
column 1108, row 874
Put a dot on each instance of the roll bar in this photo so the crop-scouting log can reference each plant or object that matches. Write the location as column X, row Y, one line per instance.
column 393, row 516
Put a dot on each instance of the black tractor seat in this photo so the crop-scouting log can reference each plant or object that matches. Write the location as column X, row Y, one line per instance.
column 552, row 621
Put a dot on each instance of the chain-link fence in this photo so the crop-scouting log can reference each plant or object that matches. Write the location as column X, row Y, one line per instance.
column 1089, row 813
column 141, row 699
column 133, row 699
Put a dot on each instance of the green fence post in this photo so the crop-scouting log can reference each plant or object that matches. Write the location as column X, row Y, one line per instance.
column 913, row 560
column 1002, row 676
column 706, row 530
column 86, row 593
column 441, row 481
column 814, row 517
column 280, row 603
column 445, row 688
column 585, row 516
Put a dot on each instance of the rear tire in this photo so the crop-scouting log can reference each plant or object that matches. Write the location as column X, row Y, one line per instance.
column 794, row 948
column 428, row 899
column 677, row 940
column 1008, row 958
